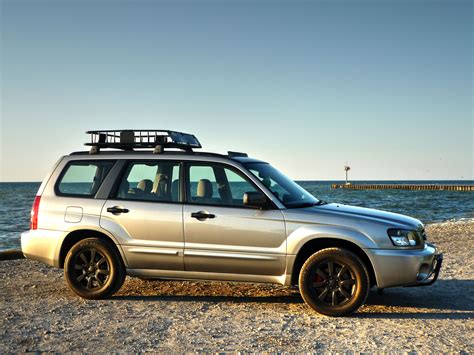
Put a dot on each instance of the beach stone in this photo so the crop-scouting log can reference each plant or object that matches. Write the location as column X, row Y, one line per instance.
column 39, row 313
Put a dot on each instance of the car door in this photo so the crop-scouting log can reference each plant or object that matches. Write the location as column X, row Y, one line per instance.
column 146, row 214
column 221, row 234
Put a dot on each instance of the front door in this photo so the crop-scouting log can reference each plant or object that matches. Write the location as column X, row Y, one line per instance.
column 223, row 235
column 147, row 216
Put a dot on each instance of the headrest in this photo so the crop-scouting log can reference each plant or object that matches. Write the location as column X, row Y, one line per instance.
column 204, row 188
column 145, row 185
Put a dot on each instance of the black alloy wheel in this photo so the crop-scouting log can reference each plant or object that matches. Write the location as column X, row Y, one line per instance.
column 334, row 282
column 94, row 269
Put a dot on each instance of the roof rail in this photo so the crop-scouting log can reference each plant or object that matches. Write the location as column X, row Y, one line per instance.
column 130, row 139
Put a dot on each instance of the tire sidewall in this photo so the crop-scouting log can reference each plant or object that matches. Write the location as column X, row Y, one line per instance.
column 342, row 256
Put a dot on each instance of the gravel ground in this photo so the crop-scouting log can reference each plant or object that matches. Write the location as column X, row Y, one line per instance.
column 39, row 313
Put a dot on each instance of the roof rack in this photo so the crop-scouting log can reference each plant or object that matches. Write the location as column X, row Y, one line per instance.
column 130, row 139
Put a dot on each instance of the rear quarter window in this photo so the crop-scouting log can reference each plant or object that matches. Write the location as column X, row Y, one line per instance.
column 82, row 178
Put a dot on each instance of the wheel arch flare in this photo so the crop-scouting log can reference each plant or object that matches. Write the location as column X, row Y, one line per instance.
column 305, row 241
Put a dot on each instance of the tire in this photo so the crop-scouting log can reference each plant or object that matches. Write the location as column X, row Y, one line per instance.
column 94, row 269
column 334, row 282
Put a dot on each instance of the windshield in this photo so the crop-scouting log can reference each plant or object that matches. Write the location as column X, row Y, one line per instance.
column 286, row 190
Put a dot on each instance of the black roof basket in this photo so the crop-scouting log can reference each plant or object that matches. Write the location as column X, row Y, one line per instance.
column 130, row 139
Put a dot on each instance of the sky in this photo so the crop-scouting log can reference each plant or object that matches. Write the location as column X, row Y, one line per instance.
column 386, row 86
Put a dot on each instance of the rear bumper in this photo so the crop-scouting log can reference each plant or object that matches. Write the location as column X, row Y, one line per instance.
column 42, row 245
column 406, row 267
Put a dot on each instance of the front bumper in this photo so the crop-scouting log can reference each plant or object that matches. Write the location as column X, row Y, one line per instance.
column 395, row 267
column 433, row 276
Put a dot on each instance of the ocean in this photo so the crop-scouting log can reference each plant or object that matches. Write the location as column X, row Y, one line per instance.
column 428, row 206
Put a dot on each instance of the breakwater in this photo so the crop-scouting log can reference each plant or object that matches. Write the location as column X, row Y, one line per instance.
column 404, row 187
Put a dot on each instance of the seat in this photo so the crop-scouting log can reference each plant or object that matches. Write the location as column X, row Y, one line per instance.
column 145, row 185
column 161, row 187
column 204, row 191
column 142, row 191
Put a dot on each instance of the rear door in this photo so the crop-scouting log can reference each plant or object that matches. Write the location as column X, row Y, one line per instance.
column 146, row 214
column 224, row 236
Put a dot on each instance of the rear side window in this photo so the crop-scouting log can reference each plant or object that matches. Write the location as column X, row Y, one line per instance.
column 151, row 181
column 83, row 178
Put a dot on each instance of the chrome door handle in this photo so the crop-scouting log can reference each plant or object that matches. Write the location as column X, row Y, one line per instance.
column 117, row 210
column 202, row 215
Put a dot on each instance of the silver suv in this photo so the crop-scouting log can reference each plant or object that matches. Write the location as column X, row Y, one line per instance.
column 154, row 208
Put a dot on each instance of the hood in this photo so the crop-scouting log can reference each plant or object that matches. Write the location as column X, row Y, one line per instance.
column 361, row 213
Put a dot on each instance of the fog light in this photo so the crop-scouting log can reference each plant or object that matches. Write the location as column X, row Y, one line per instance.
column 423, row 272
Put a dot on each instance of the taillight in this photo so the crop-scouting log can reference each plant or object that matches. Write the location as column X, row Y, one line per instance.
column 34, row 213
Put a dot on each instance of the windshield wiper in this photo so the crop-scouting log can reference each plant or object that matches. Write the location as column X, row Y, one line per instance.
column 303, row 205
column 307, row 204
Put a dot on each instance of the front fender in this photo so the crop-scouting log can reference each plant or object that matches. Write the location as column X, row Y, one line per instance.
column 300, row 236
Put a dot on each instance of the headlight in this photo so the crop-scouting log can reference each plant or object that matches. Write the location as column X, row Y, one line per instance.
column 405, row 238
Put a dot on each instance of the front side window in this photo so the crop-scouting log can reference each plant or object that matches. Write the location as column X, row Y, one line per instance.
column 83, row 178
column 286, row 190
column 151, row 181
column 215, row 184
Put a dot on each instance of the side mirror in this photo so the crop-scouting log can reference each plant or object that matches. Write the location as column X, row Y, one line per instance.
column 255, row 199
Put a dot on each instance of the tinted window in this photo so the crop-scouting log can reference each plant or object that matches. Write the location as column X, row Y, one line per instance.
column 83, row 178
column 217, row 185
column 151, row 181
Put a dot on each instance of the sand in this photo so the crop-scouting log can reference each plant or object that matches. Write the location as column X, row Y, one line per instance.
column 39, row 313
